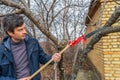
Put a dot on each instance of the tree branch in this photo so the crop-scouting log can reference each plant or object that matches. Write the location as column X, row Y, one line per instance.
column 114, row 17
column 10, row 3
column 16, row 12
column 98, row 36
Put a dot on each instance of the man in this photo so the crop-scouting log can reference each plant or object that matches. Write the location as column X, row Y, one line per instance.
column 20, row 55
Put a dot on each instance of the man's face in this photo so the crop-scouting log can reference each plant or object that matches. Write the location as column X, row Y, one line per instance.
column 19, row 33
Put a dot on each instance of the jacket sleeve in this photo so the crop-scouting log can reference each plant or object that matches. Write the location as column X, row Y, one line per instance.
column 6, row 78
column 43, row 57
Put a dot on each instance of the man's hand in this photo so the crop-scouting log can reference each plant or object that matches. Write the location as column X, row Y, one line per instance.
column 56, row 57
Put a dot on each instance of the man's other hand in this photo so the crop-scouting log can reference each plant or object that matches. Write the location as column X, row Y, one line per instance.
column 56, row 57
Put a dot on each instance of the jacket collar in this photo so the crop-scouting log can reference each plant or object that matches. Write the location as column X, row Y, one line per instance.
column 6, row 42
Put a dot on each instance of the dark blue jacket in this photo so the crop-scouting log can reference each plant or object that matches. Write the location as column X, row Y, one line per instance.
column 35, row 55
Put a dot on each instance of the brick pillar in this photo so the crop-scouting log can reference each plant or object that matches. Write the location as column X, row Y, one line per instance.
column 111, row 46
column 106, row 53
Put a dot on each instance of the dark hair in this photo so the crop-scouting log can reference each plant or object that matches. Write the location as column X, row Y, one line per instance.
column 10, row 22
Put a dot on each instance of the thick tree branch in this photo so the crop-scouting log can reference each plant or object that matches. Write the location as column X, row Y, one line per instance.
column 98, row 36
column 38, row 24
